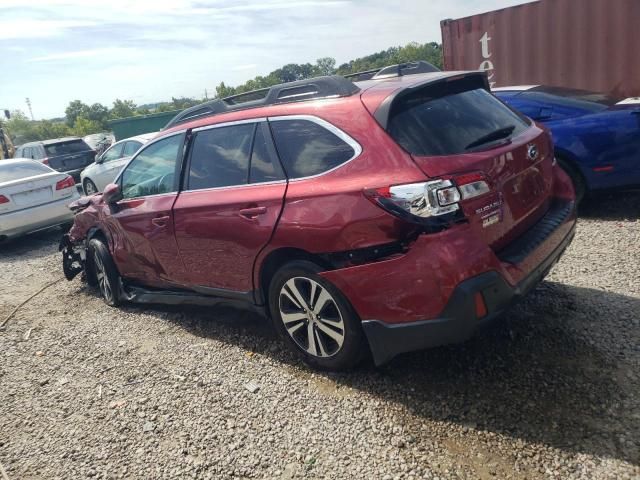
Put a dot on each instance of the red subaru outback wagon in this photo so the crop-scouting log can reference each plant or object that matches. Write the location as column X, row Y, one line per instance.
column 386, row 215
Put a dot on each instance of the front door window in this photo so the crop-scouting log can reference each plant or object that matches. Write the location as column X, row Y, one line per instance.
column 154, row 170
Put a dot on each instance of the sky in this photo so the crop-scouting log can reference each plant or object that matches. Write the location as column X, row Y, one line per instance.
column 56, row 51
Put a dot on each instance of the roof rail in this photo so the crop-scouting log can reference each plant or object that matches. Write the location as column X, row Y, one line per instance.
column 401, row 69
column 313, row 88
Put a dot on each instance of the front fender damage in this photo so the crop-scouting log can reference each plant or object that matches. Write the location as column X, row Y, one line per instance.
column 73, row 245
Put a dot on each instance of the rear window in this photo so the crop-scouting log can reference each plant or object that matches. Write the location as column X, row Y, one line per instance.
column 66, row 148
column 446, row 119
column 16, row 171
column 307, row 148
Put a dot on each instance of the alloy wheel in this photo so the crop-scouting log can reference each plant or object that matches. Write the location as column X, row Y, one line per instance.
column 101, row 276
column 90, row 188
column 311, row 317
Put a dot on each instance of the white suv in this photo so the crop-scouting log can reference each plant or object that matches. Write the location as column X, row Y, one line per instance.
column 107, row 166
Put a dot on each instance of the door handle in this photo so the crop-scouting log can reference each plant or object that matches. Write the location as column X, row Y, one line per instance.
column 252, row 213
column 160, row 221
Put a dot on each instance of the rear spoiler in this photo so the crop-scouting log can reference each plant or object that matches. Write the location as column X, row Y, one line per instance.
column 464, row 81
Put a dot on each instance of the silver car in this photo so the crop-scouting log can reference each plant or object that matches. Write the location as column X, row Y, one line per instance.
column 33, row 197
column 107, row 166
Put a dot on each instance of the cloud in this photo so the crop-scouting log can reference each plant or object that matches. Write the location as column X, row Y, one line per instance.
column 30, row 28
column 96, row 52
column 249, row 66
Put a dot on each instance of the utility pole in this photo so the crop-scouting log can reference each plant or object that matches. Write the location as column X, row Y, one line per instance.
column 206, row 97
column 29, row 105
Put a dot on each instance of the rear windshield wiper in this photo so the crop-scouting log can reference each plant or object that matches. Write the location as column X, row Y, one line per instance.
column 490, row 137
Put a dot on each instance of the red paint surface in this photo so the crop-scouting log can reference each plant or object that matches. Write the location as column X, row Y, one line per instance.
column 201, row 238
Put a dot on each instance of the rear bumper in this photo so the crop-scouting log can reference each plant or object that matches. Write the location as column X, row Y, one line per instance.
column 36, row 218
column 458, row 321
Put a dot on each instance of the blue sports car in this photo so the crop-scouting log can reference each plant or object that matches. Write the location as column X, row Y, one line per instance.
column 597, row 141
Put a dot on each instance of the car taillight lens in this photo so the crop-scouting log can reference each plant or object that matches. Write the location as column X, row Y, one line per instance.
column 424, row 200
column 66, row 183
column 3, row 199
column 45, row 161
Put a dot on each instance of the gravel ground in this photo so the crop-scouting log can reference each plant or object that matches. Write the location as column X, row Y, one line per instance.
column 550, row 392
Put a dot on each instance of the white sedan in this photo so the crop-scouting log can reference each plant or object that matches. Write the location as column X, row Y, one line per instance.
column 107, row 166
column 33, row 197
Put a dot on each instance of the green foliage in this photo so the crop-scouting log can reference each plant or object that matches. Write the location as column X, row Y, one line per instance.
column 122, row 109
column 74, row 110
column 431, row 52
column 85, row 126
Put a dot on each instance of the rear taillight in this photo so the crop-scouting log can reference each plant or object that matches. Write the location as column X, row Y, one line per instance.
column 3, row 199
column 45, row 161
column 436, row 198
column 66, row 183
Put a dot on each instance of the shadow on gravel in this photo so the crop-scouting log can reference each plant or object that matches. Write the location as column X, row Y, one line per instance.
column 33, row 244
column 612, row 206
column 557, row 370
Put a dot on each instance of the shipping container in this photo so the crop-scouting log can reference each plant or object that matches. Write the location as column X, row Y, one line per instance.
column 585, row 44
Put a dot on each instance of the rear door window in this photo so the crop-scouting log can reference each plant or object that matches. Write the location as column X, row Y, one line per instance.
column 446, row 119
column 307, row 148
column 220, row 157
column 15, row 171
column 66, row 148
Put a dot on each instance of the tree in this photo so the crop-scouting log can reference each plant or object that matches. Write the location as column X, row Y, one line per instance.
column 97, row 113
column 325, row 66
column 74, row 110
column 84, row 126
column 183, row 102
column 122, row 109
column 222, row 91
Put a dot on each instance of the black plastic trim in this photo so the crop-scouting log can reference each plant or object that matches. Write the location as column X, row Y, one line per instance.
column 520, row 249
column 302, row 90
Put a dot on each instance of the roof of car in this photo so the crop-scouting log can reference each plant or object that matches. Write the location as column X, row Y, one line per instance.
column 17, row 161
column 144, row 137
column 375, row 88
column 58, row 140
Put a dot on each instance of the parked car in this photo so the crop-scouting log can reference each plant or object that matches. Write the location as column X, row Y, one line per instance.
column 33, row 197
column 68, row 155
column 393, row 214
column 597, row 141
column 99, row 174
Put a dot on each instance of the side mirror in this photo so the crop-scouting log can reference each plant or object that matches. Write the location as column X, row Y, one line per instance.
column 98, row 159
column 111, row 193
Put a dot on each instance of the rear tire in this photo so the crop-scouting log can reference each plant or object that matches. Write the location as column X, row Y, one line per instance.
column 313, row 317
column 89, row 187
column 104, row 272
column 576, row 177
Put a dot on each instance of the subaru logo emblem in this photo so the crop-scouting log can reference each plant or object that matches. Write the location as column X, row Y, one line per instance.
column 532, row 152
